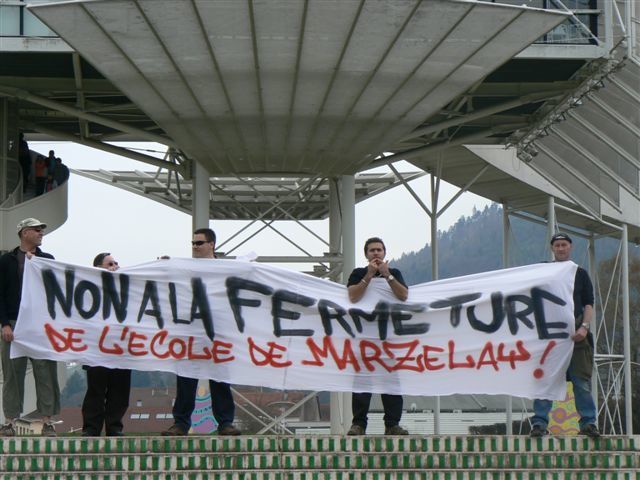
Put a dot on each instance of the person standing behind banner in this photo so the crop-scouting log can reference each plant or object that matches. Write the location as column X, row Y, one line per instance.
column 45, row 374
column 581, row 366
column 203, row 246
column 107, row 397
column 375, row 251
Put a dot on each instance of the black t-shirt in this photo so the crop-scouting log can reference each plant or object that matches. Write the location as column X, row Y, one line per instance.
column 582, row 292
column 358, row 274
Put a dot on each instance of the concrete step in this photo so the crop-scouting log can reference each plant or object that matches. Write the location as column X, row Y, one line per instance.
column 320, row 443
column 397, row 474
column 324, row 461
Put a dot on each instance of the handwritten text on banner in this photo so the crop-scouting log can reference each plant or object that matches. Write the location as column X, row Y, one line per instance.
column 501, row 332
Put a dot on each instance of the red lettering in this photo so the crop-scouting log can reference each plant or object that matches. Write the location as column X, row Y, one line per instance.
column 61, row 342
column 522, row 355
column 269, row 357
column 178, row 354
column 115, row 349
column 403, row 364
column 133, row 345
column 369, row 358
column 431, row 363
column 221, row 348
column 470, row 363
column 159, row 339
column 191, row 355
column 487, row 351
column 348, row 356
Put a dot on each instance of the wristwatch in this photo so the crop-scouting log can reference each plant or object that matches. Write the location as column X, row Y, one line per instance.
column 390, row 278
column 586, row 325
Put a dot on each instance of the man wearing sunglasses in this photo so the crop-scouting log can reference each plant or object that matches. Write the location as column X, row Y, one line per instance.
column 203, row 246
column 30, row 232
column 107, row 397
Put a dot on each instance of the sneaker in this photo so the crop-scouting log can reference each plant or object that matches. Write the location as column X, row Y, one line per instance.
column 174, row 430
column 538, row 431
column 395, row 430
column 48, row 430
column 356, row 430
column 229, row 430
column 590, row 431
column 7, row 430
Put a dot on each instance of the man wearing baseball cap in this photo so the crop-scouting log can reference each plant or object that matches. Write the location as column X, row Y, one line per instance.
column 30, row 232
column 581, row 366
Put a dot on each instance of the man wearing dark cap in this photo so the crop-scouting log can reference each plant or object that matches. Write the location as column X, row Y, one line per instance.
column 581, row 366
column 30, row 232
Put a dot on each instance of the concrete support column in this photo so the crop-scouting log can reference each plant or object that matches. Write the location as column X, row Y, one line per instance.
column 348, row 204
column 506, row 242
column 335, row 244
column 551, row 223
column 4, row 148
column 626, row 324
column 435, row 273
column 200, row 196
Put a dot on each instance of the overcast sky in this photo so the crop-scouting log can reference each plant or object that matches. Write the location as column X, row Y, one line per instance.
column 135, row 230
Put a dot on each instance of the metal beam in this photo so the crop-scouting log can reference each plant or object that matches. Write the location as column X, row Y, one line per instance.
column 140, row 157
column 76, row 112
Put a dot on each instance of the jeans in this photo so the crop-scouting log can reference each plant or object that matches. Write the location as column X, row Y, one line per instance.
column 222, row 404
column 392, row 408
column 584, row 404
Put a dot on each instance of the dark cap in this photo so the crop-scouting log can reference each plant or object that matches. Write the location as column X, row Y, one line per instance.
column 561, row 236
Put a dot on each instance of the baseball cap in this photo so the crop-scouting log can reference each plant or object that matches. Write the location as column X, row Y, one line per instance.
column 561, row 236
column 30, row 222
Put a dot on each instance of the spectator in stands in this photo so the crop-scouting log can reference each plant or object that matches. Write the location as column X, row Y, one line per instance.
column 203, row 246
column 60, row 173
column 12, row 264
column 377, row 267
column 107, row 397
column 24, row 156
column 42, row 173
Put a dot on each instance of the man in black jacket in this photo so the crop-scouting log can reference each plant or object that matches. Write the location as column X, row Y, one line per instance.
column 30, row 232
column 359, row 280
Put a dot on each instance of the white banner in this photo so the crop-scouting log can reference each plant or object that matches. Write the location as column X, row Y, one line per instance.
column 501, row 332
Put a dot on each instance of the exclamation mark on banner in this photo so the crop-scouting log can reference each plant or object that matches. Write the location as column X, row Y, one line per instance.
column 538, row 372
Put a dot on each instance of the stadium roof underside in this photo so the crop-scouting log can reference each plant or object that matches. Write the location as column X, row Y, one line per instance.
column 257, row 88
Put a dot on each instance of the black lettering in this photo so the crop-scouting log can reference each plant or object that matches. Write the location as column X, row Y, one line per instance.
column 234, row 284
column 497, row 310
column 277, row 312
column 538, row 296
column 111, row 297
column 174, row 305
column 399, row 313
column 514, row 315
column 200, row 306
column 151, row 295
column 455, row 303
column 380, row 312
column 54, row 292
column 78, row 298
column 332, row 311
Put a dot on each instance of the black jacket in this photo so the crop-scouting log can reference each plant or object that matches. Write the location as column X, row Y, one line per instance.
column 10, row 286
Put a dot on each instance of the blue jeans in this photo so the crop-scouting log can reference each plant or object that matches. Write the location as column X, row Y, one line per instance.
column 222, row 404
column 584, row 404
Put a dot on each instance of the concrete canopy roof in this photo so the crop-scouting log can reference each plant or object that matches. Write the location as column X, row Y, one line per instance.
column 319, row 87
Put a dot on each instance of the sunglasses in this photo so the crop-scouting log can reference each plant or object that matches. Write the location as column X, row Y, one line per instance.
column 198, row 243
column 112, row 264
